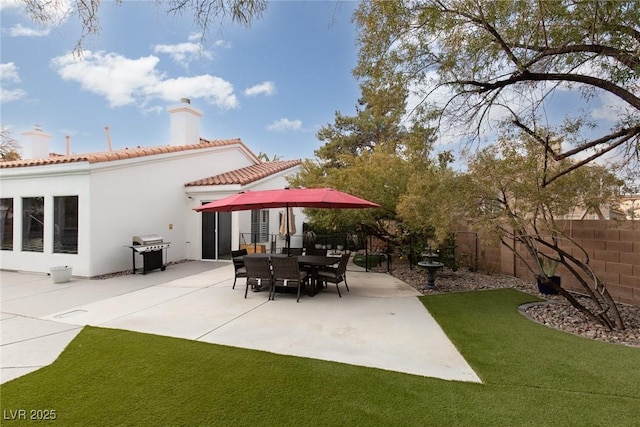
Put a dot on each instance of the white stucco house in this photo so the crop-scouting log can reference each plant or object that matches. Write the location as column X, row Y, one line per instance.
column 83, row 210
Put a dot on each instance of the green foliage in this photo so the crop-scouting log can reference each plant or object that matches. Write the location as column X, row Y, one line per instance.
column 549, row 265
column 431, row 204
column 369, row 261
column 506, row 199
column 411, row 245
column 505, row 188
column 370, row 155
column 474, row 64
column 469, row 61
column 446, row 252
column 309, row 238
column 265, row 157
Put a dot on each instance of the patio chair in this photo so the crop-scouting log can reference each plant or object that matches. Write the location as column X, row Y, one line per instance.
column 314, row 251
column 258, row 273
column 238, row 265
column 287, row 274
column 336, row 274
column 292, row 251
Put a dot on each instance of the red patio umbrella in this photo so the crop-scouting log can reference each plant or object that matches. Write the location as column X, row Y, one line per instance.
column 287, row 198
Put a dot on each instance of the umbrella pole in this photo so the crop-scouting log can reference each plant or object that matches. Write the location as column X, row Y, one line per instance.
column 288, row 236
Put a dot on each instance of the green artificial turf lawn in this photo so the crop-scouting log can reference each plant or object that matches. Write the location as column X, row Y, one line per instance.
column 532, row 376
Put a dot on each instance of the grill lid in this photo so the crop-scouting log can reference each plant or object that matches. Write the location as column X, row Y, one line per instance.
column 149, row 239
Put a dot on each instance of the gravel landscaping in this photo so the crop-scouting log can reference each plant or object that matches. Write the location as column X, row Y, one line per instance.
column 556, row 312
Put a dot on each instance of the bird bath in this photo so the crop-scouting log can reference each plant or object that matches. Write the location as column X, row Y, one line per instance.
column 431, row 265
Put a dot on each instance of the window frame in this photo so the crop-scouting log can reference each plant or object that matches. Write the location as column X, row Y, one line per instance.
column 7, row 223
column 260, row 225
column 65, row 226
column 33, row 216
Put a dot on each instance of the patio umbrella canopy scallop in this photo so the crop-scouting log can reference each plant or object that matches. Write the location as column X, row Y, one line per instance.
column 288, row 197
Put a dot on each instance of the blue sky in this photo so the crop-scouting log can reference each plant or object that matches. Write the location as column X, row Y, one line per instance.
column 273, row 85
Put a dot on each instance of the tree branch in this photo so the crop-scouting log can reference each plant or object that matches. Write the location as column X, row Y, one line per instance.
column 576, row 165
column 609, row 141
column 606, row 85
column 624, row 57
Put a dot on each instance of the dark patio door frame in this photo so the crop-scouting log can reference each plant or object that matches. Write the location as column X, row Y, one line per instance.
column 216, row 235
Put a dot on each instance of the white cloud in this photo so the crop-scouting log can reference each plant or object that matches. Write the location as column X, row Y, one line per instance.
column 120, row 80
column 213, row 89
column 124, row 81
column 9, row 75
column 611, row 108
column 11, row 4
column 20, row 31
column 223, row 44
column 264, row 88
column 52, row 12
column 190, row 51
column 183, row 53
column 285, row 124
column 9, row 95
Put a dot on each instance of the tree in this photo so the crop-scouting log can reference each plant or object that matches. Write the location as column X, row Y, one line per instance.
column 265, row 157
column 477, row 62
column 204, row 13
column 367, row 176
column 376, row 126
column 9, row 146
column 503, row 196
column 371, row 155
column 430, row 206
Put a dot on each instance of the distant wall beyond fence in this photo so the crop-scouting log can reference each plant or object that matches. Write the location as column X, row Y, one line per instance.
column 613, row 248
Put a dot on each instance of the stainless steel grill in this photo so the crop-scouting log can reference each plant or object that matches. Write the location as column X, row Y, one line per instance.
column 152, row 248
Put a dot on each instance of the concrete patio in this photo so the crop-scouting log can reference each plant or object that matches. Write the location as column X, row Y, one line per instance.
column 380, row 323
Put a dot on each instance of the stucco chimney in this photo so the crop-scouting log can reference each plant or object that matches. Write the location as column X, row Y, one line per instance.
column 185, row 123
column 36, row 145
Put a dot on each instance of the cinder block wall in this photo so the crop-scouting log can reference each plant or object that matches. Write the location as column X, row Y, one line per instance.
column 612, row 248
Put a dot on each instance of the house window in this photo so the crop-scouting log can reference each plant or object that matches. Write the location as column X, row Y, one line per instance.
column 65, row 225
column 259, row 226
column 6, row 224
column 33, row 224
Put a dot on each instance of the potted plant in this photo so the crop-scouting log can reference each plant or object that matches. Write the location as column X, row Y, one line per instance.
column 549, row 266
column 353, row 241
column 309, row 239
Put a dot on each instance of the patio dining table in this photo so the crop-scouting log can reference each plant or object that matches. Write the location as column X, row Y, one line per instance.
column 309, row 263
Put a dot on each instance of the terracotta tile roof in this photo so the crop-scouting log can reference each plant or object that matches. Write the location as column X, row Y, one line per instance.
column 126, row 153
column 248, row 174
